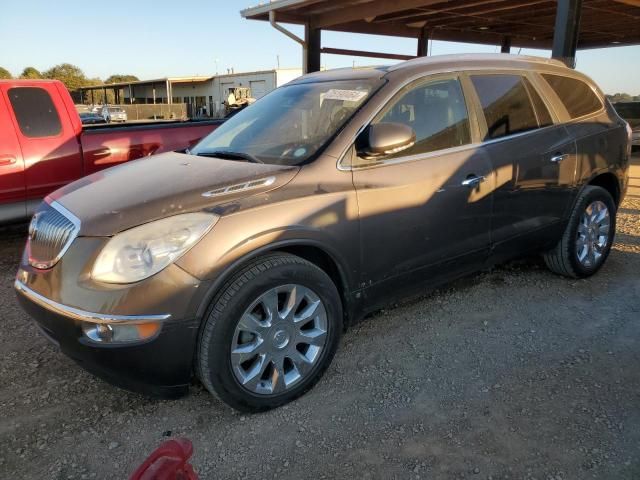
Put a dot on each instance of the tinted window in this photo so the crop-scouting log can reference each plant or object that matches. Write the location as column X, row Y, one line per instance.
column 577, row 97
column 35, row 112
column 506, row 104
column 292, row 124
column 437, row 113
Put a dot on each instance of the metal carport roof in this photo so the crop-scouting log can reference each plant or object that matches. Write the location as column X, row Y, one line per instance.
column 519, row 23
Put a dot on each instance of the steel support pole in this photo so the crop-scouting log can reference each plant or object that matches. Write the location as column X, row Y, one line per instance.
column 423, row 43
column 506, row 45
column 311, row 49
column 567, row 30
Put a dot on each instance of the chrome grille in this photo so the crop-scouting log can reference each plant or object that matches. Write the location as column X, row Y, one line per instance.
column 51, row 231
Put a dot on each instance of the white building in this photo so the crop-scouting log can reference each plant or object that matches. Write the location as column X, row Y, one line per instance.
column 201, row 94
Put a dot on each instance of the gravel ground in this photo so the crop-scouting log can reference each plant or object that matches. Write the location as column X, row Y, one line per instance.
column 513, row 373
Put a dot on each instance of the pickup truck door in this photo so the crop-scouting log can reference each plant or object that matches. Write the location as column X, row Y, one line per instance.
column 12, row 182
column 533, row 157
column 425, row 212
column 47, row 136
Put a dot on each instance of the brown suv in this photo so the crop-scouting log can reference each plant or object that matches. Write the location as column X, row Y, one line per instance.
column 242, row 261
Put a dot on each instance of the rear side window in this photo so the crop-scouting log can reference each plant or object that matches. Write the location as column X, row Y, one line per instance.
column 577, row 97
column 436, row 111
column 37, row 116
column 506, row 104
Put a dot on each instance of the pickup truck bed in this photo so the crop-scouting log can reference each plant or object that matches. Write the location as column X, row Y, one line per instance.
column 43, row 145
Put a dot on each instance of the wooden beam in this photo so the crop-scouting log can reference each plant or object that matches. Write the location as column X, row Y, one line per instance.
column 363, row 53
column 633, row 3
column 368, row 10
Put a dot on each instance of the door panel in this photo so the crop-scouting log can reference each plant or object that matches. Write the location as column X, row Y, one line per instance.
column 418, row 213
column 536, row 175
column 50, row 149
column 418, row 208
column 12, row 182
column 534, row 160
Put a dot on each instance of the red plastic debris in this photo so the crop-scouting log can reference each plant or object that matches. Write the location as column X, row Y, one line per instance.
column 168, row 462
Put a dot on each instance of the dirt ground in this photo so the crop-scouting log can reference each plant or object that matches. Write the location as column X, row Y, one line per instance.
column 513, row 373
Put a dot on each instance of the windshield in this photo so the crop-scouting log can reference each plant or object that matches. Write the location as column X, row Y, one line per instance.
column 291, row 124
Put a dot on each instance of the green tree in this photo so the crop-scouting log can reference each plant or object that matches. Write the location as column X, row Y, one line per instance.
column 5, row 74
column 31, row 73
column 73, row 77
column 121, row 78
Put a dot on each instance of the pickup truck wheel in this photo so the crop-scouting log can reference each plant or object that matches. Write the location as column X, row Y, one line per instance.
column 270, row 333
column 588, row 237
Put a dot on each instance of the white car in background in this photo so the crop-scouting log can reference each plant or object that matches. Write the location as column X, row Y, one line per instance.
column 113, row 114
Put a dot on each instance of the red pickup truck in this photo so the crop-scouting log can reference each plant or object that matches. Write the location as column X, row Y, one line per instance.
column 44, row 146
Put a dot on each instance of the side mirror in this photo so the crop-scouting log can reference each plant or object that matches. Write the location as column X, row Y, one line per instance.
column 384, row 139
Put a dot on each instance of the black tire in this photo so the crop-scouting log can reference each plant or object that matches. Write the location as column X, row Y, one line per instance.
column 213, row 362
column 563, row 258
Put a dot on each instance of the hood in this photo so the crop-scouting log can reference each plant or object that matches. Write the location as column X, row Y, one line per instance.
column 148, row 189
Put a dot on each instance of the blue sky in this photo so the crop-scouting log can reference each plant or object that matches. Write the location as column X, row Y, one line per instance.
column 152, row 39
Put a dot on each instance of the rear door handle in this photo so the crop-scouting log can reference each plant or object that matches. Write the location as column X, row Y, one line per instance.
column 473, row 181
column 7, row 159
column 103, row 152
column 558, row 158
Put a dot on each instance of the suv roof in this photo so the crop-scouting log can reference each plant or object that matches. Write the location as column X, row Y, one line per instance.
column 439, row 63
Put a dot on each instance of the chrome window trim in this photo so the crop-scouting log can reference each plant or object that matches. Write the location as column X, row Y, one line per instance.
column 83, row 315
column 460, row 74
column 74, row 234
column 417, row 157
column 435, row 153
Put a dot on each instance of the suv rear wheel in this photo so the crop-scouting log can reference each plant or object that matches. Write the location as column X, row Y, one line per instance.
column 587, row 240
column 270, row 333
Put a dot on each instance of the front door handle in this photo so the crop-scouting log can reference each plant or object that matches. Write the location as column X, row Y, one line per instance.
column 472, row 181
column 558, row 157
column 7, row 159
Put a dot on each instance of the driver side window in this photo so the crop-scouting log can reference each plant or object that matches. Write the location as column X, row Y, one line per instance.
column 437, row 113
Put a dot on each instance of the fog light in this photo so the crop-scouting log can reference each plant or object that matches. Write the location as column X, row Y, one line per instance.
column 115, row 333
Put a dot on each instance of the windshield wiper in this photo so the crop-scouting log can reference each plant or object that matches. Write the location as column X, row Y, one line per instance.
column 230, row 155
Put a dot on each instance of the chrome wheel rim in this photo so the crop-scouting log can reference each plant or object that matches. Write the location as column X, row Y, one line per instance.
column 593, row 234
column 279, row 339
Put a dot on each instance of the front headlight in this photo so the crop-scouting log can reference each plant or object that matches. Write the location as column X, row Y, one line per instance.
column 140, row 252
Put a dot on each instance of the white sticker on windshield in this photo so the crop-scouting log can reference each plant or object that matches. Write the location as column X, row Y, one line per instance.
column 346, row 95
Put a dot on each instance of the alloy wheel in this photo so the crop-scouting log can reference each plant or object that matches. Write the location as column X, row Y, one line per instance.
column 593, row 234
column 279, row 339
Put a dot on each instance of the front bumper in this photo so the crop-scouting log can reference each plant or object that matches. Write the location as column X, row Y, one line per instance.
column 160, row 366
column 64, row 299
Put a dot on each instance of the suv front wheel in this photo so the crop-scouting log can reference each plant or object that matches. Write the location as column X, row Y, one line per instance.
column 270, row 333
column 588, row 237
